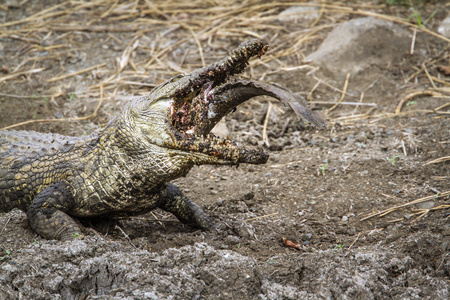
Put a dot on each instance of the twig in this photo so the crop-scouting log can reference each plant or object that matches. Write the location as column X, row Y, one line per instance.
column 199, row 45
column 437, row 160
column 319, row 81
column 413, row 41
column 76, row 73
column 438, row 109
column 11, row 76
column 404, row 149
column 412, row 95
column 344, row 91
column 4, row 227
column 428, row 75
column 354, row 241
column 389, row 210
column 361, row 97
column 124, row 59
column 266, row 121
column 344, row 103
column 126, row 236
column 24, row 96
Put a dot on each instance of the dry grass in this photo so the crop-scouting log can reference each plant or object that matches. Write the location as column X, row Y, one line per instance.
column 420, row 212
column 160, row 27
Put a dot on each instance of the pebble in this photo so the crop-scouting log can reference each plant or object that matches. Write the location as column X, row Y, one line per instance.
column 295, row 14
column 426, row 205
column 444, row 27
column 232, row 239
column 334, row 139
column 344, row 219
column 361, row 137
column 307, row 237
column 444, row 246
column 214, row 192
column 409, row 130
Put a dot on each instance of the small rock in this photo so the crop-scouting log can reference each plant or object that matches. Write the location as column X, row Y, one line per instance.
column 426, row 205
column 361, row 137
column 296, row 14
column 214, row 192
column 344, row 219
column 444, row 246
column 307, row 237
column 444, row 27
column 409, row 130
column 232, row 239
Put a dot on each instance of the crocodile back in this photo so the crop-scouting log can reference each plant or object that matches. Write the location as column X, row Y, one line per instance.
column 31, row 161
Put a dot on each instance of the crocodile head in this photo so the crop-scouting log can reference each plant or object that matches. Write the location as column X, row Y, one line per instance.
column 179, row 114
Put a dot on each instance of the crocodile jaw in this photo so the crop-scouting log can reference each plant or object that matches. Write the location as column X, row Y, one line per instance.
column 180, row 113
column 193, row 119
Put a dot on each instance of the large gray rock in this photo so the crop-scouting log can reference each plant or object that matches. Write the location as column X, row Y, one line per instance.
column 359, row 43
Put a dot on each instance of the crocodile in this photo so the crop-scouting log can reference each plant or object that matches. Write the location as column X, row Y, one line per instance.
column 125, row 168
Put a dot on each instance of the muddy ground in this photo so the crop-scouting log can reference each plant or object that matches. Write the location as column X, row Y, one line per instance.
column 315, row 190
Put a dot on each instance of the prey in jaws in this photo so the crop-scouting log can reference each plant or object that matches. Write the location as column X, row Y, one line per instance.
column 126, row 167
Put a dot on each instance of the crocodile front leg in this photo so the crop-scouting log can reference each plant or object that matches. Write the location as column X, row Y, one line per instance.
column 47, row 213
column 173, row 201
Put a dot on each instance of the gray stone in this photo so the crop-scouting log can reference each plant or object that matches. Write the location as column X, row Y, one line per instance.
column 357, row 44
column 426, row 205
column 444, row 27
column 296, row 14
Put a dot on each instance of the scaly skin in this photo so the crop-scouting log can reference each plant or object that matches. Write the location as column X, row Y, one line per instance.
column 125, row 168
